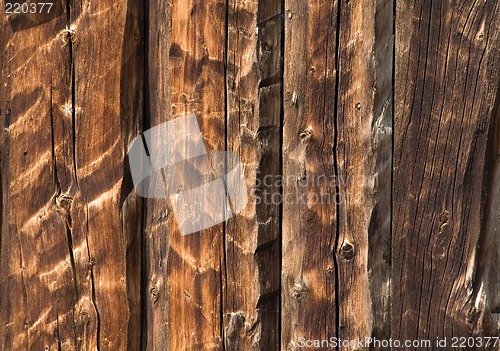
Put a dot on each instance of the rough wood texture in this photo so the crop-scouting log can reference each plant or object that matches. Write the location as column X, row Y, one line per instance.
column 309, row 212
column 251, row 283
column 35, row 257
column 70, row 263
column 349, row 231
column 155, row 238
column 187, row 48
column 445, row 202
column 364, row 164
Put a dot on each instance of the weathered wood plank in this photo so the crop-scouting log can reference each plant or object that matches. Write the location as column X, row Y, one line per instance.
column 251, row 284
column 155, row 227
column 309, row 210
column 107, row 110
column 70, row 253
column 447, row 78
column 37, row 282
column 364, row 151
column 184, row 272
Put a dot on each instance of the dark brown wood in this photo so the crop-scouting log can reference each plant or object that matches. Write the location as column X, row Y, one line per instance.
column 36, row 301
column 156, row 236
column 106, row 212
column 445, row 202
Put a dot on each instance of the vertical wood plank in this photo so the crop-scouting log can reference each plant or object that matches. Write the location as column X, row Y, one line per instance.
column 309, row 306
column 364, row 151
column 447, row 78
column 184, row 272
column 37, row 282
column 251, row 284
column 156, row 227
column 71, row 225
column 156, row 238
column 107, row 114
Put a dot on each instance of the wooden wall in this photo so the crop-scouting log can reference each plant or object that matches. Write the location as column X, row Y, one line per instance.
column 369, row 133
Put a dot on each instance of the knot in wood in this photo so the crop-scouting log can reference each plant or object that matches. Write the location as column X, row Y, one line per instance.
column 306, row 134
column 347, row 251
column 84, row 317
column 300, row 291
column 154, row 293
column 444, row 217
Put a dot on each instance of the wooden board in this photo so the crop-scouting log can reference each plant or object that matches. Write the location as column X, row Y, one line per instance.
column 251, row 281
column 369, row 139
column 187, row 48
column 364, row 167
column 444, row 200
column 70, row 259
column 309, row 271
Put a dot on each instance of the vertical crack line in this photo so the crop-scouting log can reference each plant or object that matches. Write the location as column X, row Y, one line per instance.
column 67, row 215
column 64, row 211
column 92, row 279
column 336, row 171
column 53, row 144
column 393, row 115
column 57, row 334
column 281, row 168
column 224, row 227
column 142, row 127
column 70, row 40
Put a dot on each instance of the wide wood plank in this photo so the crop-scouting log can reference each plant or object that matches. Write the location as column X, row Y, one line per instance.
column 445, row 202
column 37, row 281
column 106, row 111
column 70, row 260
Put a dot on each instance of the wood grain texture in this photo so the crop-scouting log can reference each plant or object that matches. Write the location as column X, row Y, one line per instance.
column 37, row 284
column 251, row 281
column 155, row 287
column 70, row 259
column 373, row 185
column 309, row 307
column 107, row 109
column 187, row 47
column 447, row 81
column 364, row 164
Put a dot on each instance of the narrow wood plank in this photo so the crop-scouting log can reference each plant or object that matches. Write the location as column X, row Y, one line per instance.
column 309, row 211
column 447, row 78
column 37, row 280
column 364, row 155
column 156, row 227
column 251, row 284
column 184, row 272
